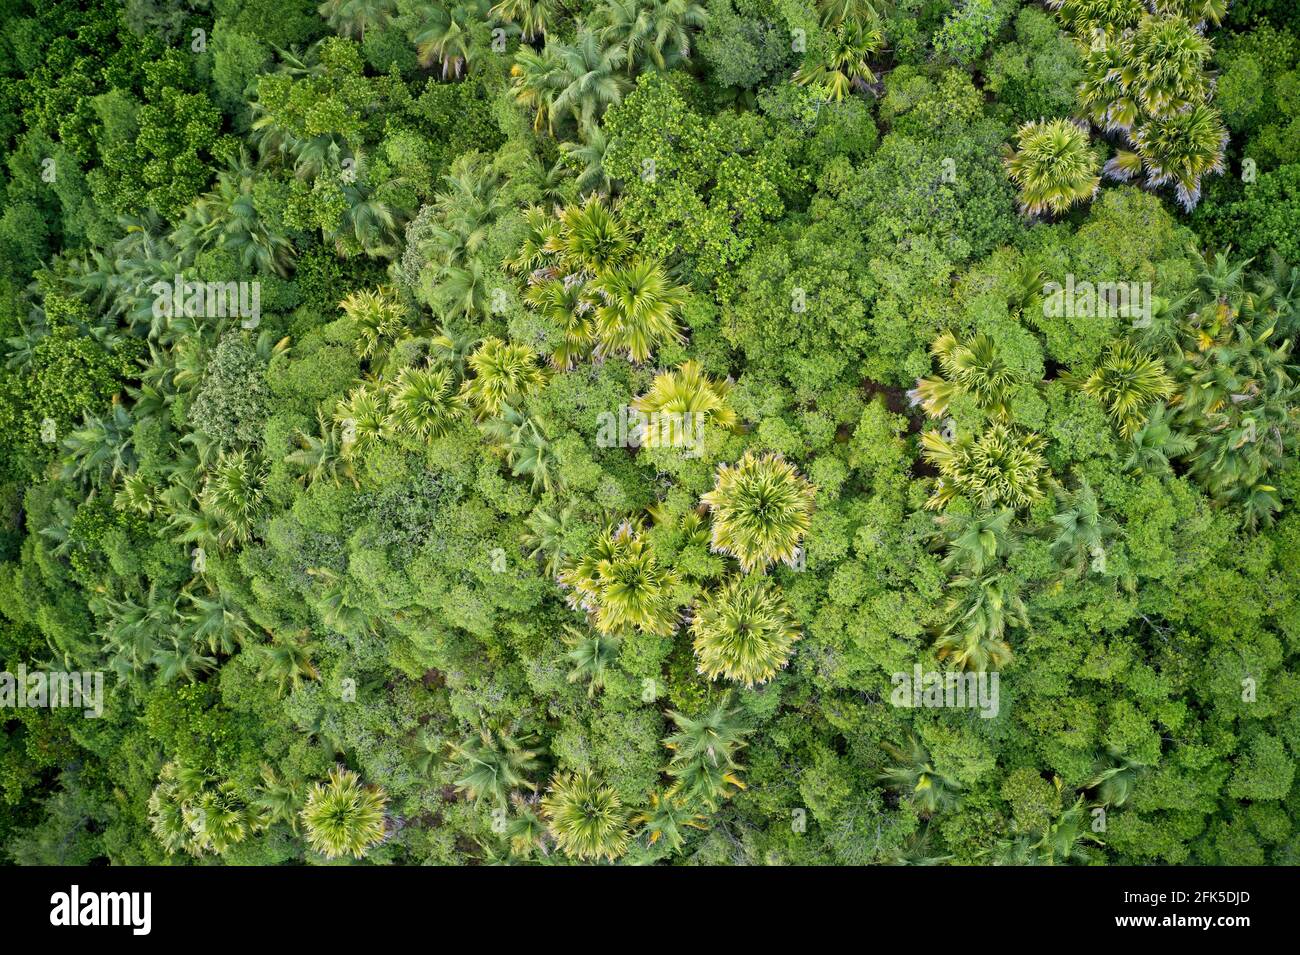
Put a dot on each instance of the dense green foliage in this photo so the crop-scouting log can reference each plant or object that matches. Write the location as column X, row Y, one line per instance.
column 548, row 432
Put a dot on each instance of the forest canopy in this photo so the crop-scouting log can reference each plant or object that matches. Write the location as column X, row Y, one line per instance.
column 709, row 432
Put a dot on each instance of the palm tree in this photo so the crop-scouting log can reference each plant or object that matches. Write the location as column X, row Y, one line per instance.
column 287, row 662
column 652, row 33
column 1178, row 150
column 537, row 78
column 761, row 508
column 535, row 17
column 744, row 631
column 528, row 450
column 564, row 305
column 704, row 755
column 1085, row 16
column 351, row 18
column 666, row 818
column 999, row 468
column 587, row 819
column 343, row 817
column 976, row 542
column 688, row 398
column 181, row 658
column 592, row 655
column 588, row 157
column 277, row 800
column 1115, row 776
column 1155, row 443
column 970, row 367
column 588, row 80
column 981, row 610
column 1054, row 166
column 590, row 238
column 1164, row 68
column 914, row 777
column 101, row 449
column 233, row 495
column 424, row 402
column 620, row 584
column 504, row 373
column 1082, row 531
column 546, row 537
column 445, row 35
column 492, row 765
column 840, row 63
column 1127, row 383
column 365, row 420
column 380, row 319
column 321, row 456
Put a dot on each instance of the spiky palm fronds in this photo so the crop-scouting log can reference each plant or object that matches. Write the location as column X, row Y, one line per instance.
column 1181, row 150
column 424, row 402
column 1155, row 443
column 840, row 64
column 545, row 537
column 321, row 456
column 1127, row 383
column 914, row 777
column 637, row 310
column 998, row 468
column 761, row 508
column 666, row 818
column 686, row 399
column 1082, row 532
column 1054, row 166
column 565, row 305
column 504, row 373
column 704, row 755
column 528, row 450
column 380, row 318
column 342, row 816
column 364, row 419
column 592, row 656
column 980, row 610
column 620, row 584
column 971, row 367
column 976, row 542
column 491, row 765
column 233, row 495
column 586, row 818
column 744, row 631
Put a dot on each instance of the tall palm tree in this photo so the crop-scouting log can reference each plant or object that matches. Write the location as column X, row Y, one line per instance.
column 971, row 367
column 351, row 18
column 321, row 456
column 744, row 631
column 667, row 817
column 380, row 319
column 364, row 419
column 998, row 468
column 913, row 776
column 535, row 17
column 589, row 80
column 446, row 35
column 976, row 542
column 704, row 754
column 344, row 817
column 1127, row 383
column 587, row 819
column 528, row 450
column 490, row 766
column 1178, row 150
column 546, row 535
column 424, row 402
column 637, row 309
column 653, row 33
column 590, row 237
column 1082, row 532
column 1054, row 166
column 761, row 508
column 233, row 495
column 689, row 397
column 620, row 584
column 592, row 655
column 981, row 610
column 1155, row 443
column 839, row 64
column 503, row 373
